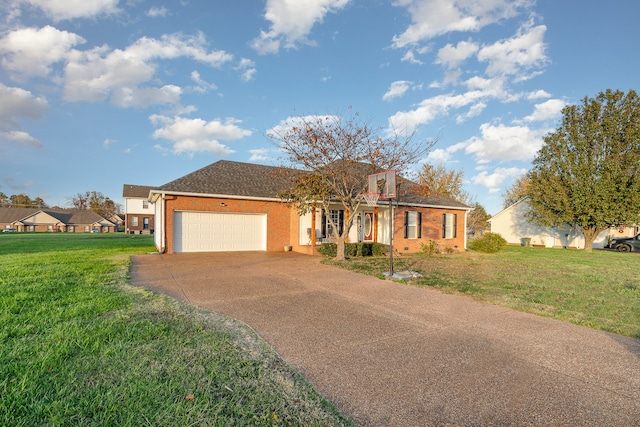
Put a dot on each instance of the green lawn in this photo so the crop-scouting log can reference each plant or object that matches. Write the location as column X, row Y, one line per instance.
column 600, row 289
column 78, row 346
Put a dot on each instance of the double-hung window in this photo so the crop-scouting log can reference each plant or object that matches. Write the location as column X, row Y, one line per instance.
column 449, row 225
column 412, row 225
column 337, row 216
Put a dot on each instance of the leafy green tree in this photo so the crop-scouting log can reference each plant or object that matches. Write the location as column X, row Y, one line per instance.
column 587, row 174
column 337, row 154
column 437, row 179
column 21, row 201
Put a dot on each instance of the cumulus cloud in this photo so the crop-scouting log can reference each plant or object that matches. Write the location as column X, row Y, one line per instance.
column 430, row 109
column 258, row 155
column 396, row 90
column 247, row 69
column 431, row 18
column 292, row 21
column 59, row 10
column 197, row 135
column 32, row 51
column 100, row 73
column 17, row 104
column 505, row 143
column 492, row 181
column 517, row 54
column 547, row 110
column 452, row 56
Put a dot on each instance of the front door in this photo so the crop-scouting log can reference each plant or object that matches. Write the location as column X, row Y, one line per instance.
column 367, row 227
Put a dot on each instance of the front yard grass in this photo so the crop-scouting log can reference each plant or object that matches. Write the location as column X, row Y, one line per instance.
column 600, row 289
column 78, row 346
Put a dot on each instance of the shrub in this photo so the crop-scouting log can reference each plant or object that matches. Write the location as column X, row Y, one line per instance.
column 489, row 243
column 353, row 249
column 430, row 248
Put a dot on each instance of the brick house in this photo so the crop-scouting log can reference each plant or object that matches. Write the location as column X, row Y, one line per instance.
column 138, row 211
column 233, row 206
column 54, row 220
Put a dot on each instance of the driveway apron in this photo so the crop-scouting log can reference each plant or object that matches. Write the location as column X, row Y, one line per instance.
column 390, row 354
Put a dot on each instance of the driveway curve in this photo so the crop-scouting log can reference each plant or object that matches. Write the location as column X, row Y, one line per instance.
column 389, row 354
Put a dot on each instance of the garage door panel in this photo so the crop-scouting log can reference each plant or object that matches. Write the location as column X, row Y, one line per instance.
column 217, row 232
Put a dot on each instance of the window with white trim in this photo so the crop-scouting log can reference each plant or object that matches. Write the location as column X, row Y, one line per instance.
column 134, row 221
column 449, row 225
column 145, row 204
column 337, row 216
column 412, row 225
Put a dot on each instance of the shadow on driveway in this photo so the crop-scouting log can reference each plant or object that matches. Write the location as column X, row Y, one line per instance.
column 389, row 354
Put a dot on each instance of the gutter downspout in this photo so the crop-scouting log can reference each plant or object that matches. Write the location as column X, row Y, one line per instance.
column 163, row 222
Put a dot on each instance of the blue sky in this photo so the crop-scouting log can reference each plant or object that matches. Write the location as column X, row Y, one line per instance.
column 95, row 94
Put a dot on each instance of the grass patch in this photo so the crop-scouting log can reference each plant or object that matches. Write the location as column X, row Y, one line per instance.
column 600, row 289
column 78, row 346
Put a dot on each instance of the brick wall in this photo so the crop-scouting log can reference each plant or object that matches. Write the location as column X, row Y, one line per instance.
column 278, row 216
column 431, row 230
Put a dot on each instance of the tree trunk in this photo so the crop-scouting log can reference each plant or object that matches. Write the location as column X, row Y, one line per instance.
column 340, row 249
column 590, row 235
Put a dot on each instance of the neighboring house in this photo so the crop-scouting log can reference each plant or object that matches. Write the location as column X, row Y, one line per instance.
column 138, row 210
column 54, row 220
column 511, row 223
column 232, row 206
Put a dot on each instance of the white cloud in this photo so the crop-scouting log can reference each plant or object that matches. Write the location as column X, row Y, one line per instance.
column 32, row 51
column 430, row 109
column 505, row 143
column 539, row 94
column 259, row 155
column 69, row 9
column 17, row 104
column 550, row 109
column 157, row 12
column 431, row 18
column 21, row 138
column 197, row 135
column 452, row 56
column 515, row 55
column 396, row 90
column 100, row 73
column 201, row 85
column 494, row 180
column 247, row 69
column 410, row 57
column 442, row 156
column 474, row 111
column 292, row 21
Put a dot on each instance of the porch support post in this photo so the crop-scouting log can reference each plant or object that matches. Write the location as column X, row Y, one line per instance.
column 313, row 227
column 375, row 225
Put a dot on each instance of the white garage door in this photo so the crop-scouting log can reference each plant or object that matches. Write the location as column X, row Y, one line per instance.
column 218, row 232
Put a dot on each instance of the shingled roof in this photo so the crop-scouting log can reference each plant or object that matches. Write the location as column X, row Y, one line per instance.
column 233, row 178
column 65, row 216
column 251, row 180
column 137, row 191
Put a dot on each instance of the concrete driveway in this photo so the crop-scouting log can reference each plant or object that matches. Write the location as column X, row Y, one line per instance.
column 390, row 354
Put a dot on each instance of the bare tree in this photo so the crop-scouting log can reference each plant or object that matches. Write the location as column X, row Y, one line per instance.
column 336, row 154
column 94, row 201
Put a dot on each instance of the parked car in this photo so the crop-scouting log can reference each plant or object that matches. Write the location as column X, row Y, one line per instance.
column 95, row 230
column 9, row 230
column 626, row 244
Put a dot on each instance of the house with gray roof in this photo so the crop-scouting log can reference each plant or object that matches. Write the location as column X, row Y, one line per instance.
column 54, row 220
column 139, row 217
column 234, row 206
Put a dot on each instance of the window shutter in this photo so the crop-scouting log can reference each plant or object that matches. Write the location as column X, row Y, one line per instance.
column 455, row 225
column 444, row 225
column 419, row 231
column 406, row 224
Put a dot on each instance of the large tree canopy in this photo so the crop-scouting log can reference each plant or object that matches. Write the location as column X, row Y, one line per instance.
column 337, row 154
column 587, row 174
column 517, row 191
column 95, row 201
column 437, row 179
